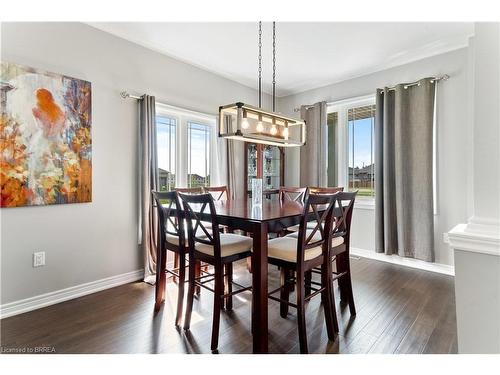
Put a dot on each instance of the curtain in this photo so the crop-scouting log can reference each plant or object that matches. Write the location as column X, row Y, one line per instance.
column 313, row 165
column 404, row 221
column 148, row 181
column 236, row 168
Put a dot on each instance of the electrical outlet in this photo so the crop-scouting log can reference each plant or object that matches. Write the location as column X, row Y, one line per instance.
column 39, row 259
column 446, row 238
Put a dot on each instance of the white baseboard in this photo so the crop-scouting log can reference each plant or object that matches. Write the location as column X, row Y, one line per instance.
column 406, row 262
column 51, row 298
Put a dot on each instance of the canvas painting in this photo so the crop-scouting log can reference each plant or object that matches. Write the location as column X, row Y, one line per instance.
column 45, row 138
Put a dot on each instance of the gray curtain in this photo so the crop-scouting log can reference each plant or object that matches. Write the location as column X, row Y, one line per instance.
column 148, row 181
column 404, row 222
column 313, row 168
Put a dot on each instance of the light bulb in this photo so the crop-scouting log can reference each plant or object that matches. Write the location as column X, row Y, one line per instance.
column 260, row 126
column 244, row 123
column 285, row 133
column 273, row 130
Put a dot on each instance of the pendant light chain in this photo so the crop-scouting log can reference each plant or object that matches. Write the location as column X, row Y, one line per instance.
column 274, row 66
column 260, row 64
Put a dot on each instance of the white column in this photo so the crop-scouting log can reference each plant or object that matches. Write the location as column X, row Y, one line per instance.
column 476, row 244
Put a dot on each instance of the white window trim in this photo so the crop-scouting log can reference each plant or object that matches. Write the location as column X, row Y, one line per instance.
column 182, row 118
column 341, row 107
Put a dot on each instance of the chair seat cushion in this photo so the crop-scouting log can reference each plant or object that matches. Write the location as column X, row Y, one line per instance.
column 336, row 241
column 285, row 248
column 230, row 244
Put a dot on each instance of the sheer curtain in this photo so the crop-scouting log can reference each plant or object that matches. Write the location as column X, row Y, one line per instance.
column 404, row 221
column 148, row 181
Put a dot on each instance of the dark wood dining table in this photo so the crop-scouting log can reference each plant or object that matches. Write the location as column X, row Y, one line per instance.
column 272, row 216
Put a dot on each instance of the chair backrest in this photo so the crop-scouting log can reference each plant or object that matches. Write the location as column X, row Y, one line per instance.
column 194, row 207
column 321, row 208
column 169, row 218
column 217, row 192
column 325, row 190
column 186, row 190
column 294, row 194
column 342, row 215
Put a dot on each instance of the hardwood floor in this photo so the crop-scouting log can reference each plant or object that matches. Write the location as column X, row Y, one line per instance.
column 399, row 310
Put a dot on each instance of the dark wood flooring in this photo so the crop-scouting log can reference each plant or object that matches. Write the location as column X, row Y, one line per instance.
column 400, row 310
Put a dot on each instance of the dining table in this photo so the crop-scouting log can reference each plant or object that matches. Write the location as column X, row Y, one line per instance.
column 272, row 216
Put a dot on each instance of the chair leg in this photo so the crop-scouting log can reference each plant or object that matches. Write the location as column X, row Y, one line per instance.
column 307, row 281
column 301, row 313
column 191, row 290
column 228, row 281
column 219, row 292
column 176, row 266
column 340, row 264
column 197, row 272
column 160, row 279
column 348, row 286
column 249, row 264
column 284, row 293
column 180, row 292
column 332, row 325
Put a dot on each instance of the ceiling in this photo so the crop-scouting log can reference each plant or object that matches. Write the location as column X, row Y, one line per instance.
column 309, row 55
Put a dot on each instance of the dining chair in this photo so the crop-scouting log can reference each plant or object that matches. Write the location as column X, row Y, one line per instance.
column 217, row 192
column 316, row 190
column 341, row 233
column 217, row 249
column 303, row 253
column 171, row 237
column 191, row 190
column 294, row 194
column 325, row 190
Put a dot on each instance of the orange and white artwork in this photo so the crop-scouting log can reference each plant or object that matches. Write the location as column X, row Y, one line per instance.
column 45, row 138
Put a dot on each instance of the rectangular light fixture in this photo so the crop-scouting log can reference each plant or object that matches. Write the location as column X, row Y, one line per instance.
column 252, row 124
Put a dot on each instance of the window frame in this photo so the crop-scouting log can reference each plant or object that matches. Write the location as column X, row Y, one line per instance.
column 188, row 145
column 183, row 117
column 342, row 107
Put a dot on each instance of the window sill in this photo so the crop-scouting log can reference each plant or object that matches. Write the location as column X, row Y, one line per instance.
column 365, row 203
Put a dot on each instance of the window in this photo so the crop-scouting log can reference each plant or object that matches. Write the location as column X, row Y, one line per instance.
column 187, row 148
column 361, row 175
column 351, row 158
column 198, row 154
column 166, row 145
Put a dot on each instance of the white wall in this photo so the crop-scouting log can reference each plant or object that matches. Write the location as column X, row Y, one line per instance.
column 87, row 242
column 452, row 138
column 476, row 243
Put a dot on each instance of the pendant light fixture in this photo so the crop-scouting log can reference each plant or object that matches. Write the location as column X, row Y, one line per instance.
column 244, row 122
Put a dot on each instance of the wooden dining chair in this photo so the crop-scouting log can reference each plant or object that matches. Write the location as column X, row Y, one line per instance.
column 340, row 253
column 171, row 237
column 294, row 194
column 218, row 192
column 298, row 255
column 316, row 190
column 341, row 233
column 191, row 190
column 325, row 190
column 220, row 250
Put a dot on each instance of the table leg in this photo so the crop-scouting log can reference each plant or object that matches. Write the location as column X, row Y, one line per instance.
column 259, row 292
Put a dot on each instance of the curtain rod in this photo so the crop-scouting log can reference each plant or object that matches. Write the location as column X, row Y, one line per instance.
column 415, row 83
column 126, row 95
column 392, row 88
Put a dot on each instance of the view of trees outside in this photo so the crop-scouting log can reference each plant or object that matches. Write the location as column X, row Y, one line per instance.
column 361, row 150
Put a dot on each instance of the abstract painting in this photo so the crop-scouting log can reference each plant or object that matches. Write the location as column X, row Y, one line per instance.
column 45, row 138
